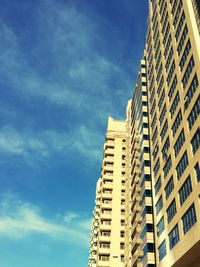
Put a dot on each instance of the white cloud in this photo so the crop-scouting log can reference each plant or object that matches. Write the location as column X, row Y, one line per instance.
column 78, row 72
column 41, row 145
column 20, row 219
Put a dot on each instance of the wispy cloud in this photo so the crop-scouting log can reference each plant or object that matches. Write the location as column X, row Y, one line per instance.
column 19, row 219
column 41, row 145
column 73, row 72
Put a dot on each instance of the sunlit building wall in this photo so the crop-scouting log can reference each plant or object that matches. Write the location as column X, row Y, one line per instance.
column 173, row 76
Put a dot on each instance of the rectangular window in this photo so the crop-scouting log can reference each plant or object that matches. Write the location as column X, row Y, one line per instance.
column 160, row 86
column 174, row 237
column 160, row 226
column 169, row 188
column 162, row 116
column 197, row 170
column 182, row 165
column 171, row 72
column 185, row 55
column 164, row 130
column 153, row 122
column 194, row 113
column 167, row 167
column 180, row 26
column 162, row 250
column 191, row 91
column 177, row 123
column 169, row 59
column 159, row 73
column 154, row 135
column 179, row 143
column 189, row 219
column 159, row 205
column 174, row 7
column 182, row 41
column 174, row 104
column 195, row 142
column 156, row 168
column 177, row 14
column 161, row 99
column 157, row 185
column 188, row 72
column 168, row 45
column 171, row 211
column 153, row 108
column 185, row 190
column 155, row 152
column 165, row 149
column 173, row 87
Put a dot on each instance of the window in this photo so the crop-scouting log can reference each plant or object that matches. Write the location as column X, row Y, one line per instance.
column 153, row 122
column 169, row 188
column 177, row 123
column 173, row 87
column 149, row 247
column 167, row 46
column 185, row 55
column 166, row 34
column 147, row 193
column 153, row 108
column 156, row 168
column 147, row 210
column 155, row 152
column 161, row 99
column 179, row 143
column 171, row 72
column 195, row 142
column 167, row 167
column 174, row 104
column 182, row 165
column 164, row 130
column 194, row 113
column 162, row 250
column 159, row 205
column 188, row 72
column 197, row 170
column 174, row 237
column 185, row 190
column 162, row 114
column 174, row 6
column 159, row 73
column 157, row 185
column 165, row 148
column 171, row 211
column 154, row 135
column 160, row 226
column 180, row 26
column 157, row 63
column 160, row 86
column 177, row 14
column 191, row 91
column 182, row 41
column 169, row 59
column 189, row 219
column 148, row 228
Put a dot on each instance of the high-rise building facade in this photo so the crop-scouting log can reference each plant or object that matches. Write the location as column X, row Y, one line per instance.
column 153, row 210
column 173, row 75
column 111, row 217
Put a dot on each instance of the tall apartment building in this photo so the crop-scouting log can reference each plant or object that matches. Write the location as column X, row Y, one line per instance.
column 94, row 230
column 111, row 220
column 173, row 75
column 155, row 200
column 142, row 227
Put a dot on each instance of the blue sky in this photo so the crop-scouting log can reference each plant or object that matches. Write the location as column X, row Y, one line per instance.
column 65, row 67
